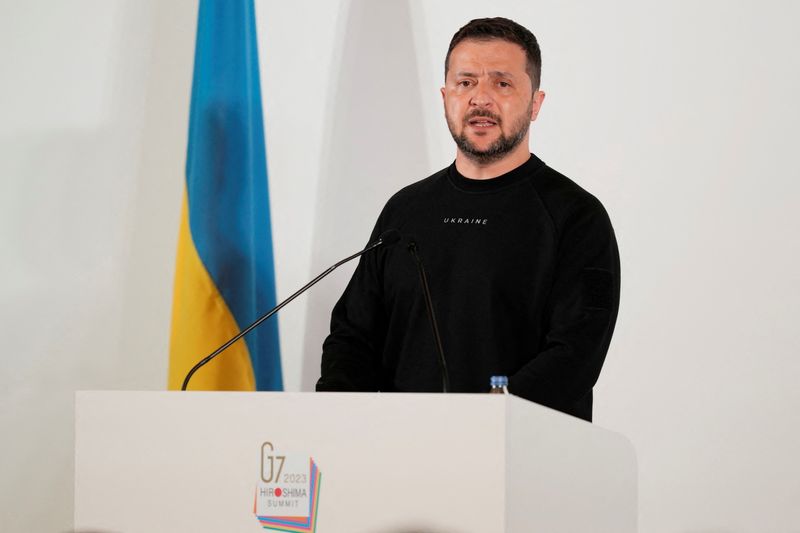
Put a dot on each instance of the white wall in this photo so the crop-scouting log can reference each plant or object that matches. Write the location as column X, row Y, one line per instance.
column 680, row 116
column 94, row 106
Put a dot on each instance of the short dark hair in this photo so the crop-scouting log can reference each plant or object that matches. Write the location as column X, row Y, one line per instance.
column 504, row 29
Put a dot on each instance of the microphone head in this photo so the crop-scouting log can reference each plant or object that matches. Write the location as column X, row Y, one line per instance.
column 389, row 237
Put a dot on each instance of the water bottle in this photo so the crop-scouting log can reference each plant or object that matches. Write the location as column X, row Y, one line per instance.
column 498, row 385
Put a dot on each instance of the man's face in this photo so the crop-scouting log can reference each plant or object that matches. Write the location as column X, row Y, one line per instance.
column 489, row 100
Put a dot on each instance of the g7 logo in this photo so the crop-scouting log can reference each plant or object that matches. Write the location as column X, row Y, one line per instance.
column 271, row 459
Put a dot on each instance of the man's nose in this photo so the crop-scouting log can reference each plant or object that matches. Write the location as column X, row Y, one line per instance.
column 481, row 97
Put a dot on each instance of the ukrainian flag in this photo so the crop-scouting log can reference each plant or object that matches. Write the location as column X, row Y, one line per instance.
column 224, row 273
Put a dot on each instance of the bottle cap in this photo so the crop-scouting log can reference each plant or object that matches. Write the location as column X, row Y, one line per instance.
column 498, row 381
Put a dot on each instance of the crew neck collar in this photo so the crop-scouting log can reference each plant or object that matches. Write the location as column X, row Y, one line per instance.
column 511, row 177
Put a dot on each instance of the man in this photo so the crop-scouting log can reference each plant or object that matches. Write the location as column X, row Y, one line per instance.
column 522, row 263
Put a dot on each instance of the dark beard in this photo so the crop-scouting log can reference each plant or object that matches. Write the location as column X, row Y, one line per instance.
column 498, row 149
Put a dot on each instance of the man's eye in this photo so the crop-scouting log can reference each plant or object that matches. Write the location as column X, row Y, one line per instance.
column 464, row 83
column 504, row 84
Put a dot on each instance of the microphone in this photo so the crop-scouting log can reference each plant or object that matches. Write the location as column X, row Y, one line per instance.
column 412, row 247
column 387, row 238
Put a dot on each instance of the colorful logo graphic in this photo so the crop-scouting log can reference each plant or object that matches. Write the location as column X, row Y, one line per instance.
column 287, row 495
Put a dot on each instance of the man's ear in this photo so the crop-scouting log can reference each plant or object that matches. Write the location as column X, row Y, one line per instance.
column 538, row 98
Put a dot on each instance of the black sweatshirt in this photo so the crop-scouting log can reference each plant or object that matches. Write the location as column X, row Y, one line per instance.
column 524, row 275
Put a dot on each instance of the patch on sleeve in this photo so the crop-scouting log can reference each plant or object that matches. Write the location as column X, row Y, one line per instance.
column 598, row 288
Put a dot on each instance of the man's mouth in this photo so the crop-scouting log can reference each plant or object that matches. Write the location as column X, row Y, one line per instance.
column 482, row 122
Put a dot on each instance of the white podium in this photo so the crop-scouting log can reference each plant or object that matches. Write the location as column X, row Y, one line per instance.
column 345, row 463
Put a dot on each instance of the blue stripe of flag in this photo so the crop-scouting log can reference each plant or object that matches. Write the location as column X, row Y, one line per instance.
column 226, row 175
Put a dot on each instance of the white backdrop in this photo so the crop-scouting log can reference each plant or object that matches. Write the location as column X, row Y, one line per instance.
column 680, row 116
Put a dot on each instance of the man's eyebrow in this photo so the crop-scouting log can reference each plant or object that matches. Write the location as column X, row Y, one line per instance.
column 493, row 73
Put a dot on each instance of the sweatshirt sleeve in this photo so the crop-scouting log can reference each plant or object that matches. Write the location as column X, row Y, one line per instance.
column 580, row 314
column 351, row 353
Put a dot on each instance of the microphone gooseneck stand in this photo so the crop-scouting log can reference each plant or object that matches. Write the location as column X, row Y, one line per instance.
column 386, row 238
column 412, row 247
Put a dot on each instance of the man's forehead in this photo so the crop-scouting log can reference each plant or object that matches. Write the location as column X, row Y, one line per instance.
column 496, row 55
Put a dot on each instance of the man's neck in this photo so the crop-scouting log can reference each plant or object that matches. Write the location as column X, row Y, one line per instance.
column 477, row 171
